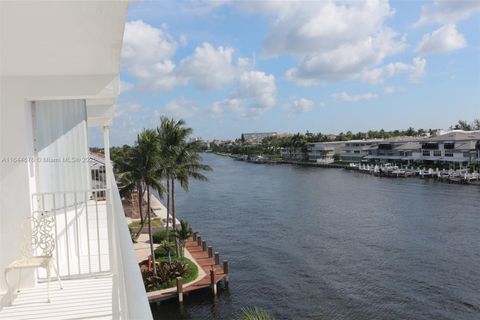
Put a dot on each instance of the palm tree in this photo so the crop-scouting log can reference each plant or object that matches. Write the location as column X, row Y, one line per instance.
column 149, row 172
column 129, row 168
column 182, row 235
column 167, row 246
column 253, row 314
column 181, row 160
column 170, row 135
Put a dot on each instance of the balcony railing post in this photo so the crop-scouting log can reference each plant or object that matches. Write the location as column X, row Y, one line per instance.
column 112, row 254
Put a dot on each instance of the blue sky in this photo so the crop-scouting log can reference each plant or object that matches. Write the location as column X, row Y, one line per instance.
column 228, row 67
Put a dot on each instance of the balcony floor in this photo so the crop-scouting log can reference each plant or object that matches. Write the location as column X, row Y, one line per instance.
column 89, row 298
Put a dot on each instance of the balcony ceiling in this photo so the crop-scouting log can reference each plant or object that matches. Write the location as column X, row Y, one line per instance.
column 61, row 38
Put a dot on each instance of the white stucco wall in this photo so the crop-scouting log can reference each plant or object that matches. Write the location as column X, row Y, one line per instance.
column 61, row 50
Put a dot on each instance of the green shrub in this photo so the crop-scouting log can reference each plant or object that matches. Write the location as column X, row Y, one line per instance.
column 167, row 274
column 159, row 236
column 160, row 252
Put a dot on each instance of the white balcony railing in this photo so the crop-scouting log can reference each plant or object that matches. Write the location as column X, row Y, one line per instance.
column 92, row 239
column 81, row 231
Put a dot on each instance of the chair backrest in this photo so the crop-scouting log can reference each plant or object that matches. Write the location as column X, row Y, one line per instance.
column 38, row 236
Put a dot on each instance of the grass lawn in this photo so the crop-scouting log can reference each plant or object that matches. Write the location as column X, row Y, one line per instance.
column 156, row 222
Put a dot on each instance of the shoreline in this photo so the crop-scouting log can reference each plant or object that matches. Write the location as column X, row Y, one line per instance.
column 433, row 175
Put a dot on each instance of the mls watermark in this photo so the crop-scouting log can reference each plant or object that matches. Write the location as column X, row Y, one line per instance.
column 45, row 160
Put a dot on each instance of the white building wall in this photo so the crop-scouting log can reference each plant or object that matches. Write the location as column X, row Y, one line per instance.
column 16, row 174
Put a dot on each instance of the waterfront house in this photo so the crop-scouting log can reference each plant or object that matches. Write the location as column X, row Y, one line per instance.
column 357, row 150
column 456, row 147
column 453, row 148
column 60, row 64
column 324, row 152
column 396, row 149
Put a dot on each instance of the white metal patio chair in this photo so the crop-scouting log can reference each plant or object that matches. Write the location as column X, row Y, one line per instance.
column 37, row 250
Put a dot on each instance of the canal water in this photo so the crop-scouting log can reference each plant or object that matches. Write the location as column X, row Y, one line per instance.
column 315, row 243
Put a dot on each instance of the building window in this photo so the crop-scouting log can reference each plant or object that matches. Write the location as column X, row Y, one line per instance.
column 437, row 153
column 430, row 146
column 466, row 154
column 357, row 151
column 448, row 153
column 426, row 153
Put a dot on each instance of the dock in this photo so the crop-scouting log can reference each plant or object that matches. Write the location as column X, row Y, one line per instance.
column 208, row 261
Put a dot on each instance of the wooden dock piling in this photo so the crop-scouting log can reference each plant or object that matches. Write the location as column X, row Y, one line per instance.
column 213, row 283
column 210, row 251
column 180, row 289
column 204, row 245
column 199, row 240
column 225, row 271
column 217, row 259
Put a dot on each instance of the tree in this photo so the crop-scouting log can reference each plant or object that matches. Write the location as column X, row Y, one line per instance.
column 462, row 125
column 476, row 124
column 128, row 165
column 167, row 246
column 180, row 160
column 253, row 314
column 182, row 235
column 149, row 171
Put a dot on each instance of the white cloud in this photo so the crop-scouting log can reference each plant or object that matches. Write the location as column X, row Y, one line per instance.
column 343, row 96
column 390, row 90
column 333, row 41
column 344, row 62
column 299, row 106
column 254, row 94
column 447, row 11
column 377, row 75
column 444, row 39
column 144, row 46
column 148, row 55
column 180, row 108
column 209, row 67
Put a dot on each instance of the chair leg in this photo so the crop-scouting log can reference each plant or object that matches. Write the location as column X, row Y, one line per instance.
column 48, row 284
column 58, row 276
column 9, row 289
column 19, row 279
